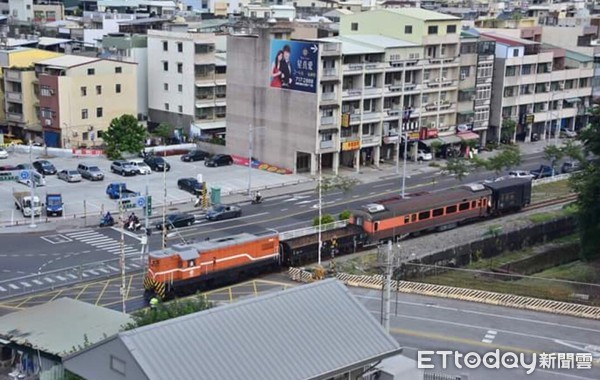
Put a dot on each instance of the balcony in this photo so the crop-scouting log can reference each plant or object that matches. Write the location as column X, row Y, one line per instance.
column 440, row 82
column 327, row 120
column 330, row 49
column 14, row 97
column 13, row 75
column 370, row 91
column 352, row 68
column 352, row 92
column 355, row 118
column 368, row 116
column 482, row 102
column 442, row 106
column 484, row 80
column 330, row 73
column 204, row 59
column 370, row 140
column 327, row 144
column 12, row 116
column 344, row 139
column 369, row 66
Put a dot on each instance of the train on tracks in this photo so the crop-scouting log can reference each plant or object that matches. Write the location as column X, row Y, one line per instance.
column 184, row 269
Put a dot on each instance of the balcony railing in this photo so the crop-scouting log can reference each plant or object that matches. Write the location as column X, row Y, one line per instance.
column 326, row 144
column 330, row 72
column 353, row 67
column 371, row 115
column 13, row 75
column 327, row 120
column 352, row 92
column 372, row 91
column 374, row 65
column 354, row 118
column 14, row 116
column 14, row 96
column 370, row 139
column 328, row 96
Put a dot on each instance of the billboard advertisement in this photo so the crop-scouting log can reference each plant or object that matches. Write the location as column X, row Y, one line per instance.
column 294, row 65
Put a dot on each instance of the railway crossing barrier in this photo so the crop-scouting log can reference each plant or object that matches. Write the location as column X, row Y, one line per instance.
column 472, row 295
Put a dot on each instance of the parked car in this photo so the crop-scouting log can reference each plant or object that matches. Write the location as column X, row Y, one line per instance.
column 191, row 185
column 519, row 174
column 221, row 212
column 69, row 175
column 3, row 153
column 424, row 156
column 543, row 172
column 124, row 168
column 140, row 166
column 177, row 220
column 156, row 163
column 570, row 166
column 93, row 173
column 218, row 160
column 8, row 168
column 44, row 167
column 565, row 132
column 195, row 155
column 25, row 167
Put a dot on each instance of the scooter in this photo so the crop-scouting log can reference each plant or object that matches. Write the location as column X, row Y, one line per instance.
column 257, row 200
column 107, row 222
column 133, row 225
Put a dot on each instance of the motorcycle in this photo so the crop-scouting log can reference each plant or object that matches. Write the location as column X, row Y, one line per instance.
column 133, row 224
column 257, row 200
column 107, row 221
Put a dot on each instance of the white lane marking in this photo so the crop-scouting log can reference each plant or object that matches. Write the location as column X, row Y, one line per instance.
column 372, row 192
column 13, row 286
column 93, row 272
column 48, row 279
column 37, row 282
column 82, row 234
column 355, row 196
column 72, row 276
column 2, row 289
column 107, row 245
column 112, row 268
column 283, row 209
column 303, row 202
column 135, row 265
column 128, row 233
column 381, row 185
column 520, row 319
column 86, row 251
column 25, row 284
column 486, row 340
column 61, row 278
column 104, row 270
column 97, row 240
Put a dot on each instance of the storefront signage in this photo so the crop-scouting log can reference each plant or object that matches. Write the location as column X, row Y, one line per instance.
column 351, row 145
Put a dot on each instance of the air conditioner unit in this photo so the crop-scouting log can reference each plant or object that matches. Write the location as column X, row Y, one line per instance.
column 48, row 122
column 561, row 86
column 51, row 92
column 75, row 134
column 463, row 76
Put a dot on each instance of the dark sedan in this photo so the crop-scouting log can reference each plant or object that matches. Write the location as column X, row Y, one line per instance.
column 221, row 212
column 195, row 155
column 177, row 220
column 158, row 164
column 191, row 185
column 44, row 167
column 218, row 160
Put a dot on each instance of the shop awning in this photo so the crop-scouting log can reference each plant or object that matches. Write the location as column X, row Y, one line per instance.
column 466, row 112
column 573, row 100
column 452, row 139
column 465, row 136
column 471, row 89
column 428, row 141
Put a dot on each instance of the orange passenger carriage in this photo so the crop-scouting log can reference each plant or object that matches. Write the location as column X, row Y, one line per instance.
column 183, row 269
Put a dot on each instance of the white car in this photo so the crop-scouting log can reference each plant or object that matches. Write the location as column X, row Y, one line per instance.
column 3, row 153
column 140, row 166
column 424, row 156
column 519, row 174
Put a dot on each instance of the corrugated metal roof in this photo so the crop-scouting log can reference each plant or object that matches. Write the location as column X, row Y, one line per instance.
column 377, row 40
column 58, row 326
column 578, row 56
column 422, row 14
column 302, row 333
column 67, row 61
column 350, row 48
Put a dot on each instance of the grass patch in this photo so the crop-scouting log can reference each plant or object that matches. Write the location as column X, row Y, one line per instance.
column 575, row 271
column 550, row 191
column 496, row 261
column 362, row 264
column 543, row 217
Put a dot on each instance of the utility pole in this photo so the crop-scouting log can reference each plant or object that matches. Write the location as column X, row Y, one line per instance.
column 320, row 206
column 404, row 166
column 122, row 245
column 387, row 284
column 32, row 204
column 250, row 143
column 164, row 211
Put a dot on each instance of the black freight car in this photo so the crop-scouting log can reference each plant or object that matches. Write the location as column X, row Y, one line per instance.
column 510, row 194
column 305, row 249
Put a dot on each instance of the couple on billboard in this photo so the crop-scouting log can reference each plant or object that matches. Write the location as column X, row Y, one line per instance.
column 281, row 75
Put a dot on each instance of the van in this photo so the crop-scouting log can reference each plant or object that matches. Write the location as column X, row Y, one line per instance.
column 38, row 179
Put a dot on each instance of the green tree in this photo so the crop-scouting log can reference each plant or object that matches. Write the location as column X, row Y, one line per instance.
column 345, row 215
column 587, row 185
column 325, row 219
column 169, row 310
column 573, row 151
column 435, row 147
column 124, row 134
column 164, row 131
column 459, row 167
column 509, row 157
column 509, row 127
column 553, row 154
column 344, row 184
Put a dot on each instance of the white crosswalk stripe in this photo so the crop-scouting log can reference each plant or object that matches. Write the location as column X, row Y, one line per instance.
column 100, row 241
column 2, row 289
column 37, row 282
column 25, row 284
column 13, row 286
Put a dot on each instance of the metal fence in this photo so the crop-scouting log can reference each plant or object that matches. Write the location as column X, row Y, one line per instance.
column 441, row 376
column 312, row 230
column 54, row 279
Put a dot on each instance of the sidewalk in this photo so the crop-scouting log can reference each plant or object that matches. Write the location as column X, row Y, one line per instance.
column 366, row 174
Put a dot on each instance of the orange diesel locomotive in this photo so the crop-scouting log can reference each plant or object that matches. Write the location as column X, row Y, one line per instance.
column 183, row 269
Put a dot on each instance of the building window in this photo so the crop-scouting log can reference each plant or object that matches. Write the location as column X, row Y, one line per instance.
column 118, row 70
column 166, row 86
column 432, row 29
column 83, row 91
column 354, row 26
column 484, row 70
column 407, row 29
column 84, row 113
column 515, row 52
column 525, row 69
column 99, row 112
column 180, row 87
column 91, row 71
column 85, row 136
column 98, row 90
column 118, row 88
column 166, row 106
column 165, row 45
column 116, row 364
column 180, row 47
column 165, row 66
column 180, row 109
column 179, row 67
column 464, row 72
column 46, row 113
column 46, row 91
column 511, row 71
column 451, row 29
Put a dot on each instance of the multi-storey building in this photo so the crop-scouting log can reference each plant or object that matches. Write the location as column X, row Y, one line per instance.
column 18, row 61
column 376, row 81
column 186, row 81
column 131, row 48
column 79, row 96
column 540, row 87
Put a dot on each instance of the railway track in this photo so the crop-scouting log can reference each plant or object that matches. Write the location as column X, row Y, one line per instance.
column 551, row 202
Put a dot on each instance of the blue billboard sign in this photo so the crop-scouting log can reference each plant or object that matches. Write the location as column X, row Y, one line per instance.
column 294, row 65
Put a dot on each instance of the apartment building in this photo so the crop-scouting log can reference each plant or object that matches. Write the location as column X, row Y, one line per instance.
column 131, row 48
column 15, row 95
column 79, row 96
column 540, row 87
column 186, row 81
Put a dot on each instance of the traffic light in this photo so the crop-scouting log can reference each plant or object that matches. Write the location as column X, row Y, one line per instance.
column 149, row 205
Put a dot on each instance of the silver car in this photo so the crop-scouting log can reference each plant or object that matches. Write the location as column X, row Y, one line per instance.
column 69, row 175
column 140, row 166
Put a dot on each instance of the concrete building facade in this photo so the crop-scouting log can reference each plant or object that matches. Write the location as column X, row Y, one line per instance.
column 186, row 81
column 79, row 96
column 540, row 87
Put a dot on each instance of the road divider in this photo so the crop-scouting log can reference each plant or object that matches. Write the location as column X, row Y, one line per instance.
column 462, row 294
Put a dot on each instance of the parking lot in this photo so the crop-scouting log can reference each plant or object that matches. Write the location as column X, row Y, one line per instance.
column 90, row 198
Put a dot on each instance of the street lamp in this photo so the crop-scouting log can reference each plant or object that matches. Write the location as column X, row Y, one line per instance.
column 250, row 148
